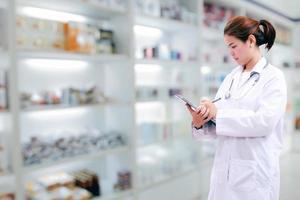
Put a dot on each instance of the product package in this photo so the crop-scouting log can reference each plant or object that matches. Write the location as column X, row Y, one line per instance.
column 79, row 37
column 33, row 33
column 7, row 196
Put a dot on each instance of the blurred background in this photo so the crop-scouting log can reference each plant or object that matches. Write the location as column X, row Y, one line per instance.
column 86, row 95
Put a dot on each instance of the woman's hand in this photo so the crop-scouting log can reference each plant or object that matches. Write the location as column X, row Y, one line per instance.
column 199, row 115
column 212, row 109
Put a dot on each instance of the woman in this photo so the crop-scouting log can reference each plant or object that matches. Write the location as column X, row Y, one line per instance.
column 249, row 117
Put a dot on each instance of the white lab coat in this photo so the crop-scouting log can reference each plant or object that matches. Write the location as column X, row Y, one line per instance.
column 249, row 131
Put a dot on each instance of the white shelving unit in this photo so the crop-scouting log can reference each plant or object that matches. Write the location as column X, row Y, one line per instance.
column 155, row 58
column 73, row 56
column 7, row 176
column 166, row 179
column 216, row 61
column 167, row 63
column 7, row 183
column 84, row 157
column 89, row 8
column 121, row 195
column 69, row 107
column 51, row 70
column 161, row 120
column 164, row 24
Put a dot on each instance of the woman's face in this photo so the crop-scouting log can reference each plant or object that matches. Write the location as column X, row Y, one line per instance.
column 240, row 51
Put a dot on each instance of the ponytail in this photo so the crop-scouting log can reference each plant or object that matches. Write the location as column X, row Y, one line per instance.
column 269, row 33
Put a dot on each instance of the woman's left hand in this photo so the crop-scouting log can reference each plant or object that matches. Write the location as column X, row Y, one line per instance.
column 212, row 109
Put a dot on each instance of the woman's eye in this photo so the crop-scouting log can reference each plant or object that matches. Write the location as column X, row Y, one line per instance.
column 232, row 47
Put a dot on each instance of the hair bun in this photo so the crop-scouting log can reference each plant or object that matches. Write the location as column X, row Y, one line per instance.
column 268, row 33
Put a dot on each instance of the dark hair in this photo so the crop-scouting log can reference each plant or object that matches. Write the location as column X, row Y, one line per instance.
column 241, row 27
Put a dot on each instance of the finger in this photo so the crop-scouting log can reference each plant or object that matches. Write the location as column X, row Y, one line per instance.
column 199, row 108
column 206, row 120
column 205, row 104
column 210, row 116
column 206, row 114
column 208, row 103
column 203, row 110
column 203, row 101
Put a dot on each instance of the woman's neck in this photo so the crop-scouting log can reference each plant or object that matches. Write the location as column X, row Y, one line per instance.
column 252, row 62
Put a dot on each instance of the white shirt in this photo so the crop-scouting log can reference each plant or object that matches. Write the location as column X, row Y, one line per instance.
column 243, row 78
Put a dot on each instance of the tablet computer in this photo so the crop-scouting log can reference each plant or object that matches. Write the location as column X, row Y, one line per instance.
column 187, row 102
column 184, row 100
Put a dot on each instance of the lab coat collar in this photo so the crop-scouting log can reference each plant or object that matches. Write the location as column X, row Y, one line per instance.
column 258, row 67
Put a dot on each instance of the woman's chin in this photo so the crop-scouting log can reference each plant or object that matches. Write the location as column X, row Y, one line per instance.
column 238, row 62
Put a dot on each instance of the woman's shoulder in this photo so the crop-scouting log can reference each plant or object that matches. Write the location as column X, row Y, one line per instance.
column 274, row 76
column 274, row 72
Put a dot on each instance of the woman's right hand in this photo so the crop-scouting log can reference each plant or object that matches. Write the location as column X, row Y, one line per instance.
column 199, row 116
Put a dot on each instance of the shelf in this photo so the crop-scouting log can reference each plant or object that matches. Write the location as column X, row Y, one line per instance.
column 167, row 62
column 6, row 175
column 63, row 107
column 168, row 179
column 162, row 88
column 171, row 139
column 7, row 183
column 84, row 157
column 4, row 112
column 165, row 24
column 115, row 196
column 71, row 56
column 75, row 7
column 208, row 162
column 59, row 107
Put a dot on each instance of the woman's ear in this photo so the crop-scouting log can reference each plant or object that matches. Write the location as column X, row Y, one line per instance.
column 252, row 40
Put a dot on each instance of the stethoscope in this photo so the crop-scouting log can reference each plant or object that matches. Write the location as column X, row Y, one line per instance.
column 228, row 94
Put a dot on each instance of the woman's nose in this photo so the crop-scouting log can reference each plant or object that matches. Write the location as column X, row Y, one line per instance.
column 232, row 53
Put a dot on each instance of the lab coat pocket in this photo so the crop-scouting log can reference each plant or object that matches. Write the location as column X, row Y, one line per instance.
column 242, row 175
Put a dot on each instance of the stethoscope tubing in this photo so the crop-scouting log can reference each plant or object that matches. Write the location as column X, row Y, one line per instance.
column 228, row 93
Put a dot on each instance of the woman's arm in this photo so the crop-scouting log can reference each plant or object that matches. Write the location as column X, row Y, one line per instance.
column 259, row 123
